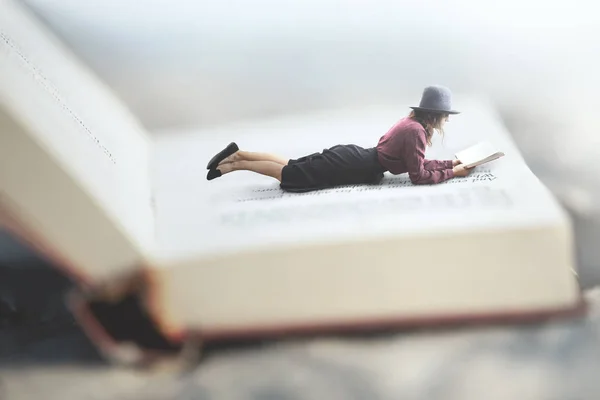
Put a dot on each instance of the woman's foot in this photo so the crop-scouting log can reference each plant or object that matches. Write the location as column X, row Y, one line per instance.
column 213, row 173
column 222, row 155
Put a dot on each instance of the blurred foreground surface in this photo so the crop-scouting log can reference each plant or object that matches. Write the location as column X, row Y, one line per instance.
column 44, row 355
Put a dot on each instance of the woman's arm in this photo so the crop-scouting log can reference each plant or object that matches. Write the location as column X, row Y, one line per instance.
column 421, row 172
column 438, row 165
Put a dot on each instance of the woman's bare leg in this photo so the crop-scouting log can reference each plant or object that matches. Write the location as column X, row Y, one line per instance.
column 268, row 168
column 241, row 155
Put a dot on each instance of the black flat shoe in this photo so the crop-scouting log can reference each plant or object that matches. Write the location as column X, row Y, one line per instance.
column 223, row 154
column 212, row 174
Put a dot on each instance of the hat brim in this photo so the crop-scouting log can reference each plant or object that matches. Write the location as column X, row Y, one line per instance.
column 436, row 110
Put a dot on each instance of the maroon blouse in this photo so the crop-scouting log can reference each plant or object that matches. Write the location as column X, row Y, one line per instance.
column 402, row 149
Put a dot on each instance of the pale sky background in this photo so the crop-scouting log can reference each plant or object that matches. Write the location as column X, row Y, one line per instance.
column 217, row 60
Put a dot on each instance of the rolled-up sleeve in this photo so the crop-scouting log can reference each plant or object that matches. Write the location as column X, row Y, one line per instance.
column 437, row 165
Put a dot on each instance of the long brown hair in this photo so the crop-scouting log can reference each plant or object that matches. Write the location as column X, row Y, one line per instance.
column 430, row 120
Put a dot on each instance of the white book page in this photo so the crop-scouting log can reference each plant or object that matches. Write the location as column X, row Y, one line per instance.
column 244, row 210
column 76, row 119
column 476, row 153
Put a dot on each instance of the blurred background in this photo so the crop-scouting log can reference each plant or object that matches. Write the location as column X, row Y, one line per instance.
column 181, row 63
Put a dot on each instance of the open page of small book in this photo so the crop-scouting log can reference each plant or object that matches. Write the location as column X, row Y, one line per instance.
column 81, row 135
column 478, row 154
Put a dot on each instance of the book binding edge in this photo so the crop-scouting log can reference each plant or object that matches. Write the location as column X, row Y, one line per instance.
column 193, row 341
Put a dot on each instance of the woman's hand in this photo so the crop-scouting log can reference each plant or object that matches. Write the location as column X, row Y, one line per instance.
column 460, row 170
column 455, row 163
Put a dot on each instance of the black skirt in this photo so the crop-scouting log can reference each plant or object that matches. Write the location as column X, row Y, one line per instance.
column 339, row 165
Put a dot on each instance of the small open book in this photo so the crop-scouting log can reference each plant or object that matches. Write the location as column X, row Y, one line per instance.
column 162, row 257
column 478, row 154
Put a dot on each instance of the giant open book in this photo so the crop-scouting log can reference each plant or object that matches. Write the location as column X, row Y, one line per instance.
column 132, row 218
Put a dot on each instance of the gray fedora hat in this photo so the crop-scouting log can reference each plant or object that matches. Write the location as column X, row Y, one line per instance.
column 436, row 98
